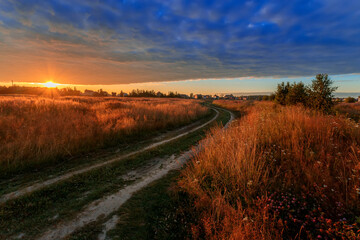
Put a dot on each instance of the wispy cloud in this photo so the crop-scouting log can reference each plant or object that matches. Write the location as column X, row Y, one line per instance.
column 133, row 41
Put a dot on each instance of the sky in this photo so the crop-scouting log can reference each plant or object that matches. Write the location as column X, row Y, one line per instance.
column 186, row 46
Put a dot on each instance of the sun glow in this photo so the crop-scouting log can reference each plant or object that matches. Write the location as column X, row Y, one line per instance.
column 50, row 84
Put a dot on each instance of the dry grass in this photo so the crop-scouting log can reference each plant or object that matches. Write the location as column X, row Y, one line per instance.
column 351, row 110
column 240, row 107
column 278, row 173
column 34, row 130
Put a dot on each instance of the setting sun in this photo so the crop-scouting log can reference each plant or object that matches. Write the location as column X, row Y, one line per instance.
column 50, row 84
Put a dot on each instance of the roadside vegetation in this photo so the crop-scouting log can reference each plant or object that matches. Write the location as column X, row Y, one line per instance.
column 281, row 172
column 37, row 130
column 286, row 170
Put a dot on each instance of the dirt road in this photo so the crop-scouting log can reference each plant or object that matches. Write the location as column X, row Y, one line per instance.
column 109, row 204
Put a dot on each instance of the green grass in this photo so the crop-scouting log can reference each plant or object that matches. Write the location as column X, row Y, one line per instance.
column 151, row 213
column 32, row 214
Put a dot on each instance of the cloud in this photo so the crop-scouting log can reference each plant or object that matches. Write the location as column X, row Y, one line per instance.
column 129, row 41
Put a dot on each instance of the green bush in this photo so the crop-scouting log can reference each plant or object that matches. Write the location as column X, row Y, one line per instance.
column 319, row 95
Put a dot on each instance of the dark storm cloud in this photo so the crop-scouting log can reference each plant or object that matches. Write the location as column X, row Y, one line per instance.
column 175, row 40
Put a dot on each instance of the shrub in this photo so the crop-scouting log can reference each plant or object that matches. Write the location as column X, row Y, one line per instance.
column 350, row 100
column 297, row 93
column 281, row 93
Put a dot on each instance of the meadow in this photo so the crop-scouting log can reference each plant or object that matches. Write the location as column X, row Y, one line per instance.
column 280, row 172
column 39, row 130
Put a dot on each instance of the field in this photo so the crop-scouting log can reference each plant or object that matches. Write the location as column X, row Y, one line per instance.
column 277, row 173
column 37, row 130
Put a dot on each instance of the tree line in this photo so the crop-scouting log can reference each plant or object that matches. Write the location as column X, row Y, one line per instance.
column 151, row 93
column 41, row 91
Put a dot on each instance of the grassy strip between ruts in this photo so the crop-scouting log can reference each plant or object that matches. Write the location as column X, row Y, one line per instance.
column 151, row 213
column 26, row 179
column 32, row 214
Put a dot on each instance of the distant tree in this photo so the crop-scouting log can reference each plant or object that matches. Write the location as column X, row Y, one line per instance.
column 265, row 98
column 321, row 93
column 69, row 92
column 191, row 95
column 281, row 92
column 297, row 93
column 272, row 97
column 350, row 100
column 171, row 94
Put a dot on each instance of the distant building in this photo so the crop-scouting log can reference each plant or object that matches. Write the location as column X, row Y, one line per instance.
column 215, row 97
column 358, row 99
column 88, row 93
column 229, row 96
column 184, row 96
column 207, row 97
column 337, row 99
column 104, row 93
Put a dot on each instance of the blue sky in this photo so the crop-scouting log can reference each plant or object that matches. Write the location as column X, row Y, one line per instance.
column 244, row 45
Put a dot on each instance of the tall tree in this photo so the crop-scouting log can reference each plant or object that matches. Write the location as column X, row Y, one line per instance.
column 321, row 93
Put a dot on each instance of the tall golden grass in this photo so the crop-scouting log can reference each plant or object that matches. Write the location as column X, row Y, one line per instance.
column 278, row 173
column 35, row 130
column 351, row 110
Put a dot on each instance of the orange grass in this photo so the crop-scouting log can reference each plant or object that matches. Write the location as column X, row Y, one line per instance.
column 274, row 150
column 34, row 130
column 351, row 110
column 240, row 107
